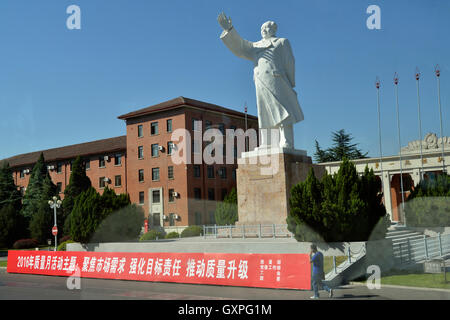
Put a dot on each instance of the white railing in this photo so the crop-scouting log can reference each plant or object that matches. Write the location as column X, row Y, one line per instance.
column 417, row 250
column 247, row 231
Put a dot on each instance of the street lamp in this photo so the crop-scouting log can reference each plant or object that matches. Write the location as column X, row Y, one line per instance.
column 54, row 204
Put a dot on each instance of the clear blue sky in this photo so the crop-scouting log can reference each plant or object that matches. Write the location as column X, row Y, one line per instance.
column 60, row 87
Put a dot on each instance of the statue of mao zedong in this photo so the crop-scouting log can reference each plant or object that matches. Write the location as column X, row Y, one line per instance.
column 274, row 77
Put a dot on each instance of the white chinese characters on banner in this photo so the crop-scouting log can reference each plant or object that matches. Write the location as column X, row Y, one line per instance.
column 270, row 267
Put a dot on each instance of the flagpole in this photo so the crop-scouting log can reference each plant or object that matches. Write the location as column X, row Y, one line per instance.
column 438, row 74
column 399, row 142
column 420, row 123
column 246, row 147
column 377, row 84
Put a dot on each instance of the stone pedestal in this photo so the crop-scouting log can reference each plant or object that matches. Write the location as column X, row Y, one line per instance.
column 264, row 180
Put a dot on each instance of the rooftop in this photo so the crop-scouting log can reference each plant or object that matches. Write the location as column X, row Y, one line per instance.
column 183, row 102
column 68, row 152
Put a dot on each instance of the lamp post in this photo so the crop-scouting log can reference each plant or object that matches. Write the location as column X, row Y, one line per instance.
column 54, row 204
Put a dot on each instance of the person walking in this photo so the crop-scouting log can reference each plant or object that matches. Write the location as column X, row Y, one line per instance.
column 318, row 274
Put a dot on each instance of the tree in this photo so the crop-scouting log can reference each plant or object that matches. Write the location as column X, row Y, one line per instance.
column 342, row 207
column 226, row 211
column 342, row 148
column 42, row 220
column 78, row 183
column 9, row 194
column 107, row 217
column 33, row 194
column 12, row 225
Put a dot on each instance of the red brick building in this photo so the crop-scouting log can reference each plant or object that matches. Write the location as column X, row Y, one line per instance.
column 141, row 163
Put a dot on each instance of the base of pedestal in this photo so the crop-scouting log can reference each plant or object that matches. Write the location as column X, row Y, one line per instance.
column 263, row 186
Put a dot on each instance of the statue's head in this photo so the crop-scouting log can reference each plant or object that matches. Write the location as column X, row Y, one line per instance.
column 268, row 29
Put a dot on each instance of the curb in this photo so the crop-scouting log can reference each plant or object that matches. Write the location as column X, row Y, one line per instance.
column 403, row 287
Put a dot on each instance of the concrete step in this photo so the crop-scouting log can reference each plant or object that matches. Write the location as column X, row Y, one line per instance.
column 404, row 235
column 398, row 232
column 404, row 240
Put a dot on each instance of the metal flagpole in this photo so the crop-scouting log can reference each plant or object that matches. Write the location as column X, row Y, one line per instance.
column 246, row 147
column 420, row 123
column 377, row 84
column 438, row 74
column 399, row 142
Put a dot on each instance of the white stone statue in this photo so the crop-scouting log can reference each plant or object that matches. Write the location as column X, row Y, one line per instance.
column 274, row 76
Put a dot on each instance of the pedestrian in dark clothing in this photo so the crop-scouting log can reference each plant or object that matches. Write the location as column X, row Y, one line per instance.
column 317, row 272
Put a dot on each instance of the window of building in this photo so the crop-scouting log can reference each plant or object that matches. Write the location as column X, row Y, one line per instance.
column 118, row 159
column 196, row 125
column 233, row 173
column 155, row 150
column 171, row 197
column 21, row 174
column 59, row 187
column 196, row 145
column 223, row 172
column 118, row 181
column 71, row 165
column 222, row 128
column 211, row 194
column 141, row 175
column 210, row 171
column 170, row 147
column 156, row 196
column 87, row 164
column 197, row 193
column 197, row 171
column 198, row 218
column 170, row 172
column 141, row 197
column 208, row 125
column 59, row 167
column 171, row 219
column 155, row 174
column 101, row 162
column 169, row 125
column 140, row 152
column 154, row 128
column 101, row 182
column 140, row 131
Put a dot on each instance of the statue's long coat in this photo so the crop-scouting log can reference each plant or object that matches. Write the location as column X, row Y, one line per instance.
column 274, row 76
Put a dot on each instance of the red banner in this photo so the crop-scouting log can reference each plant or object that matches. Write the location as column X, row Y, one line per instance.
column 289, row 271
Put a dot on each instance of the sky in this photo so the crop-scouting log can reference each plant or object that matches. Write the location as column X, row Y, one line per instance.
column 60, row 87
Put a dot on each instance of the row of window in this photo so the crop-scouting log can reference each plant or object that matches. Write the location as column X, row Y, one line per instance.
column 221, row 172
column 155, row 148
column 155, row 174
column 154, row 130
column 87, row 163
column 196, row 125
column 156, row 195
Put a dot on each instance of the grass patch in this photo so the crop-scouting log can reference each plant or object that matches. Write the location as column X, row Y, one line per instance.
column 3, row 264
column 423, row 280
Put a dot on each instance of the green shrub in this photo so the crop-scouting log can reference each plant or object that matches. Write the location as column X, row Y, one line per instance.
column 62, row 246
column 152, row 235
column 192, row 231
column 172, row 235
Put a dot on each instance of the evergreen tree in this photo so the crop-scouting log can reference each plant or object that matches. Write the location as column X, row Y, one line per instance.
column 43, row 220
column 342, row 207
column 12, row 225
column 226, row 211
column 9, row 194
column 78, row 183
column 33, row 194
column 106, row 217
column 342, row 148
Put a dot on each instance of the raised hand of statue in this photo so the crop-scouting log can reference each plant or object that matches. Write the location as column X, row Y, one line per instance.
column 224, row 22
